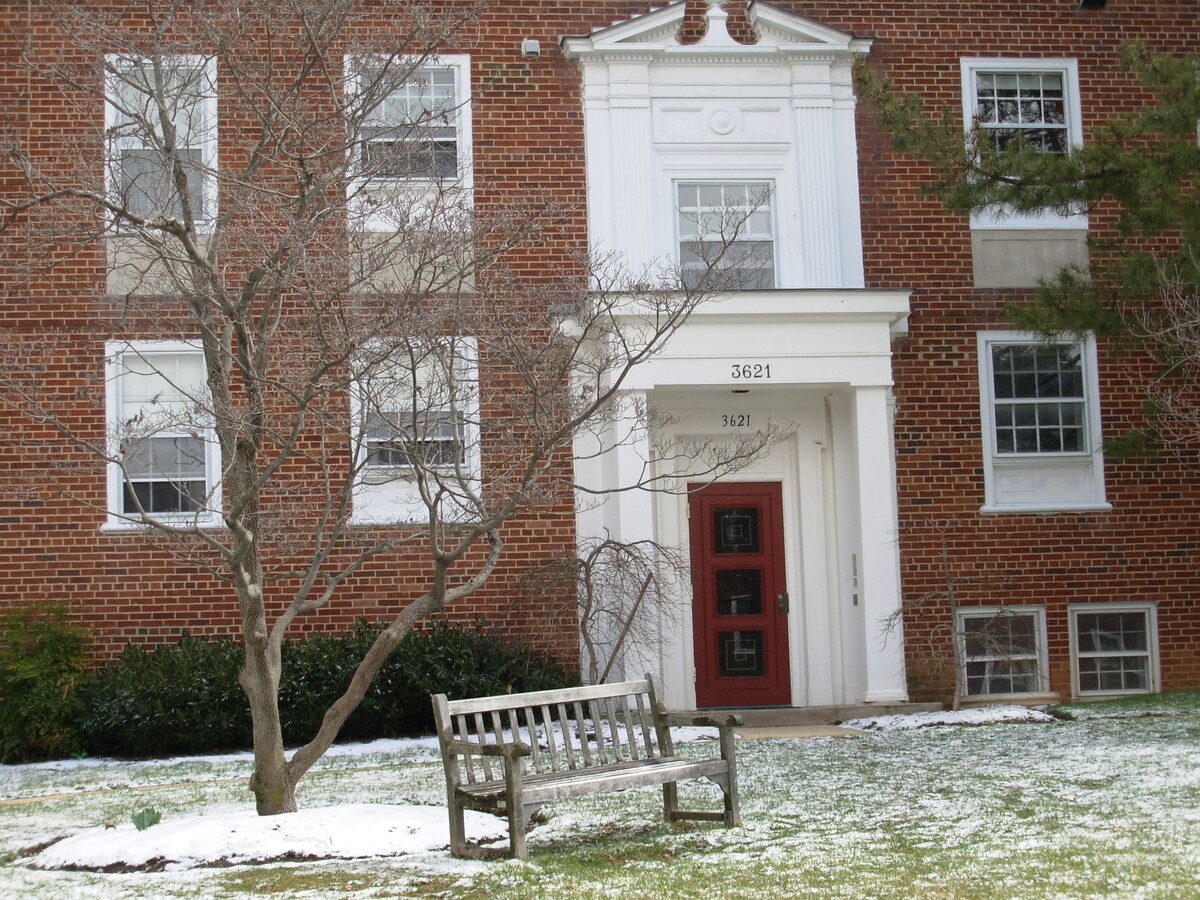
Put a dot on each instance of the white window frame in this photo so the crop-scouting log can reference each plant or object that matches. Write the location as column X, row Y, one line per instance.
column 362, row 187
column 391, row 492
column 770, row 190
column 118, row 519
column 1146, row 608
column 1040, row 654
column 1069, row 70
column 1041, row 482
column 207, row 141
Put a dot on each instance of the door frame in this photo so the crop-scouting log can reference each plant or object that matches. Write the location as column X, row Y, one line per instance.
column 774, row 687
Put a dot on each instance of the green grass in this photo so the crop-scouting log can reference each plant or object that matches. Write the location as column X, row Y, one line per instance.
column 1105, row 804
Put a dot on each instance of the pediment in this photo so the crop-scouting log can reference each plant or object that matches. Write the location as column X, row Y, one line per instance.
column 658, row 29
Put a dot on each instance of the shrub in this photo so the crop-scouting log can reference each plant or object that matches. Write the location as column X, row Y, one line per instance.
column 41, row 666
column 443, row 658
column 185, row 698
column 178, row 698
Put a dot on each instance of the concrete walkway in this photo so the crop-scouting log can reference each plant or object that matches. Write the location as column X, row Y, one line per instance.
column 816, row 721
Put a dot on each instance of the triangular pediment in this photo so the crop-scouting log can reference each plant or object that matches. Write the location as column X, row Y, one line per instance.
column 775, row 28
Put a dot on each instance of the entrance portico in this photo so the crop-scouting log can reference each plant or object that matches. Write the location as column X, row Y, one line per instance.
column 818, row 363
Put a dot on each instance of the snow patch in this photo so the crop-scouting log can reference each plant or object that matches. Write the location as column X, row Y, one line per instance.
column 983, row 715
column 350, row 831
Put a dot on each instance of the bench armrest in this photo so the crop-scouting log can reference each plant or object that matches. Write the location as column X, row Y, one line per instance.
column 729, row 720
column 468, row 748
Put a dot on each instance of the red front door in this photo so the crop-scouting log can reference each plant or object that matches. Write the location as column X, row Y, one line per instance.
column 739, row 597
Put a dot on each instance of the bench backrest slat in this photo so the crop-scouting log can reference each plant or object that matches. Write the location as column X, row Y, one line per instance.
column 481, row 731
column 646, row 723
column 536, row 698
column 581, row 730
column 551, row 742
column 568, row 742
column 630, row 736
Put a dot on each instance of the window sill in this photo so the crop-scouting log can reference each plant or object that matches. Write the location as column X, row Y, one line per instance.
column 123, row 526
column 1033, row 699
column 1046, row 509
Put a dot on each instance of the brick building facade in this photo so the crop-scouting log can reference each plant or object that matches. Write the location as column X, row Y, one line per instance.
column 863, row 318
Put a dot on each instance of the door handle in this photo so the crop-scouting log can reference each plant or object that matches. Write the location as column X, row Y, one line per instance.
column 782, row 604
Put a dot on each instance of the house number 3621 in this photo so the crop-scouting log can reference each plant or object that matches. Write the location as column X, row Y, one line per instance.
column 745, row 371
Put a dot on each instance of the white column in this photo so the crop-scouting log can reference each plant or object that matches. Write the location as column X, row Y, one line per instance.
column 818, row 194
column 631, row 514
column 879, row 563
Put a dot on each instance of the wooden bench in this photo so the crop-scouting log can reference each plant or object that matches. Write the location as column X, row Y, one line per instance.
column 509, row 754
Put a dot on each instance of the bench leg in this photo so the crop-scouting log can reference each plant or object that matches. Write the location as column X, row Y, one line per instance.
column 670, row 801
column 514, row 800
column 733, row 812
column 458, row 831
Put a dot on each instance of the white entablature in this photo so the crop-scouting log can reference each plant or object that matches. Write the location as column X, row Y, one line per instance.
column 777, row 113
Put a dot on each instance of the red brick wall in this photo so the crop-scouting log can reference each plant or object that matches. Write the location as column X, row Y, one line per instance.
column 529, row 138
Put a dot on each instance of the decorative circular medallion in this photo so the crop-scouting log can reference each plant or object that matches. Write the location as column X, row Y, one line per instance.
column 723, row 120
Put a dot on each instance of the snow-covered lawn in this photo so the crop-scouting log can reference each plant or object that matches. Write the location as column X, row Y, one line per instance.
column 958, row 805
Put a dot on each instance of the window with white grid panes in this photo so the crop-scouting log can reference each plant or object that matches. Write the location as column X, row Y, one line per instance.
column 1114, row 648
column 416, row 408
column 726, row 234
column 1038, row 398
column 1002, row 650
column 165, row 455
column 160, row 121
column 1028, row 108
column 1040, row 424
column 414, row 129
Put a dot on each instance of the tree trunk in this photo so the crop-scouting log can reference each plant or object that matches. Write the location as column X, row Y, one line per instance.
column 273, row 788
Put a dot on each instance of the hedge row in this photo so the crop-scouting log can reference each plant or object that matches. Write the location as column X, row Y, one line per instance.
column 185, row 697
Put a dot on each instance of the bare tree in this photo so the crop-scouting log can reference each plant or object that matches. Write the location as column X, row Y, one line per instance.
column 317, row 356
column 625, row 590
column 983, row 650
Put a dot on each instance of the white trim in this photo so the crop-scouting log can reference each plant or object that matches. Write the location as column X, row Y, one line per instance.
column 207, row 143
column 206, row 517
column 1150, row 610
column 1041, row 652
column 1070, row 481
column 1069, row 69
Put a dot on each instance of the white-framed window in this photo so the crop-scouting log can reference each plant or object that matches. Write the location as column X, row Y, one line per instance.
column 726, row 234
column 1033, row 101
column 416, row 411
column 1002, row 650
column 1040, row 417
column 413, row 120
column 1114, row 648
column 161, row 121
column 164, row 458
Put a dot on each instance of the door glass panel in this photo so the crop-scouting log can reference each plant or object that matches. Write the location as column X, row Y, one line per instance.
column 740, row 653
column 735, row 530
column 739, row 592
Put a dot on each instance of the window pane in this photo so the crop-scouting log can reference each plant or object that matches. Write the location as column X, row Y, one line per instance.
column 740, row 653
column 735, row 530
column 739, row 592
